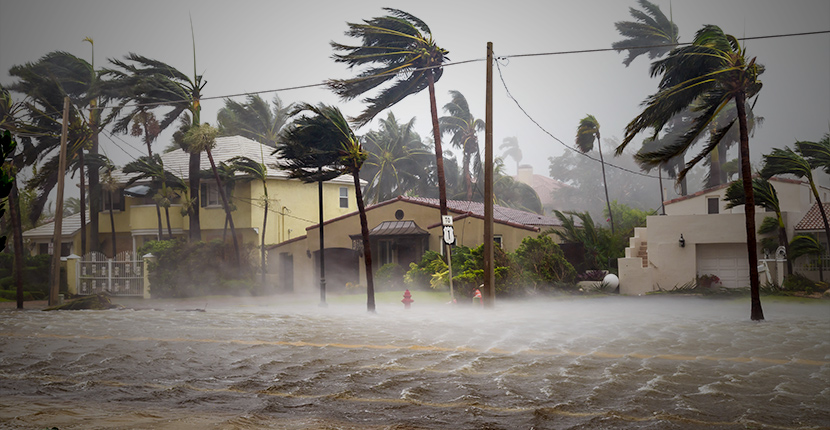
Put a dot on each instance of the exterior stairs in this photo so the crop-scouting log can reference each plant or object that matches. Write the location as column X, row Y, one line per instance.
column 642, row 252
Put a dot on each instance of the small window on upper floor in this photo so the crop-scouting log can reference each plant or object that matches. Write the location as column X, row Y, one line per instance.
column 209, row 196
column 497, row 239
column 344, row 197
column 114, row 199
column 713, row 204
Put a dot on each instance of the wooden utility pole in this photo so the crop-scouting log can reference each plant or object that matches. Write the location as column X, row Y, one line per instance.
column 56, row 238
column 489, row 274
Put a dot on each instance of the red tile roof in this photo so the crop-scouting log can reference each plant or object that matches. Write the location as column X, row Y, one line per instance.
column 812, row 219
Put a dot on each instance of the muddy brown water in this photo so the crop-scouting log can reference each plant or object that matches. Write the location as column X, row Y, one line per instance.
column 599, row 363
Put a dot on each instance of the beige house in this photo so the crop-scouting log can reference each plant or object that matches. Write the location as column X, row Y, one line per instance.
column 699, row 236
column 401, row 230
column 293, row 205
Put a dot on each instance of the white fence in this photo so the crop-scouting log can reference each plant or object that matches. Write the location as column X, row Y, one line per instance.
column 120, row 276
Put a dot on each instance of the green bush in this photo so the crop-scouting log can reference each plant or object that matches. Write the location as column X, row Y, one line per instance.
column 798, row 282
column 419, row 275
column 184, row 269
column 388, row 277
column 543, row 263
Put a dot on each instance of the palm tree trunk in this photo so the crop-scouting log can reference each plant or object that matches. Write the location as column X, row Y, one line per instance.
column 468, row 178
column 227, row 208
column 367, row 252
column 605, row 184
column 262, row 241
column 169, row 228
column 83, row 201
column 823, row 214
column 322, row 245
column 662, row 197
column 439, row 153
column 17, row 240
column 94, row 190
column 193, row 171
column 112, row 226
column 756, row 312
column 158, row 215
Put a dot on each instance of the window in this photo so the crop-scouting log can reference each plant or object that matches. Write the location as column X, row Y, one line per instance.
column 344, row 197
column 209, row 196
column 713, row 204
column 47, row 248
column 385, row 248
column 114, row 199
column 498, row 240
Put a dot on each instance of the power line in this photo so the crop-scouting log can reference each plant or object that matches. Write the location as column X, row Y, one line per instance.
column 510, row 95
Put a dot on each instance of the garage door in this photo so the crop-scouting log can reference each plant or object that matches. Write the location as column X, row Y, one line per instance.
column 728, row 261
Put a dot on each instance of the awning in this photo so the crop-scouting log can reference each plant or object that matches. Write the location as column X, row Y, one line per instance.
column 138, row 191
column 395, row 228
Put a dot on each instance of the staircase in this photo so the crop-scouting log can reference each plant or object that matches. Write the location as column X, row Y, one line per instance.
column 642, row 252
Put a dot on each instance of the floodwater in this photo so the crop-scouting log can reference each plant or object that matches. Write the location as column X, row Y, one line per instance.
column 587, row 363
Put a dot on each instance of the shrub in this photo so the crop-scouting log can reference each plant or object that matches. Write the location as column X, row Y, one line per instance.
column 798, row 282
column 420, row 274
column 543, row 263
column 389, row 276
column 184, row 269
column 708, row 281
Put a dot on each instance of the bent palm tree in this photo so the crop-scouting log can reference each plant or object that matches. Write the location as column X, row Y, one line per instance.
column 512, row 150
column 139, row 81
column 787, row 161
column 652, row 33
column 586, row 134
column 808, row 245
column 707, row 74
column 259, row 172
column 398, row 43
column 321, row 147
column 464, row 129
column 253, row 119
column 202, row 138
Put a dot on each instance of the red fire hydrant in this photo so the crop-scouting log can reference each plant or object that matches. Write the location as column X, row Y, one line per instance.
column 407, row 299
column 478, row 296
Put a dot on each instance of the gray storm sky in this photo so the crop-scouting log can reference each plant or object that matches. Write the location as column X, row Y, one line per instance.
column 254, row 46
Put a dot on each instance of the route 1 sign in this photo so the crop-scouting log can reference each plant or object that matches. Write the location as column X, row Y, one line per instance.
column 449, row 235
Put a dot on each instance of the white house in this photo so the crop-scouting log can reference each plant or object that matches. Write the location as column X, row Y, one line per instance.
column 699, row 236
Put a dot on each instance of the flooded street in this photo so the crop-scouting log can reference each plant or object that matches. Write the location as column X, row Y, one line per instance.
column 587, row 363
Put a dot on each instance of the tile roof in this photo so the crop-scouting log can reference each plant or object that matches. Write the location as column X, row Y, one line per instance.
column 226, row 148
column 812, row 219
column 500, row 213
column 69, row 226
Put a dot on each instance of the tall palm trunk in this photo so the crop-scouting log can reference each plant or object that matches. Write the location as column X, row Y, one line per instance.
column 262, row 240
column 823, row 214
column 94, row 191
column 227, row 208
column 605, row 184
column 439, row 153
column 468, row 178
column 17, row 240
column 83, row 200
column 756, row 313
column 193, row 171
column 367, row 252
column 169, row 228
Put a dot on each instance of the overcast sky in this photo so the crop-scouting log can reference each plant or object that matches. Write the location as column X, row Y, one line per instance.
column 254, row 46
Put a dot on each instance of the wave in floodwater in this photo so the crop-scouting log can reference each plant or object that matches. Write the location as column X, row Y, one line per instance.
column 611, row 362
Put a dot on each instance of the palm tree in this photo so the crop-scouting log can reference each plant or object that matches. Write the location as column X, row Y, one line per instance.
column 586, row 134
column 512, row 150
column 788, row 162
column 651, row 33
column 766, row 197
column 164, row 199
column 145, row 123
column 817, row 153
column 202, row 138
column 512, row 193
column 318, row 148
column 709, row 73
column 397, row 160
column 464, row 129
column 398, row 43
column 807, row 245
column 139, row 81
column 254, row 119
column 151, row 169
column 257, row 171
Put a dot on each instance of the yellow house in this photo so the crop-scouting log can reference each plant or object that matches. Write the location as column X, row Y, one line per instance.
column 293, row 205
column 401, row 231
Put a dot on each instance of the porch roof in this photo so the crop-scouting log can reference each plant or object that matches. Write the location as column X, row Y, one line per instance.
column 395, row 228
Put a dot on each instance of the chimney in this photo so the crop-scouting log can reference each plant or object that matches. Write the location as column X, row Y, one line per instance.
column 525, row 174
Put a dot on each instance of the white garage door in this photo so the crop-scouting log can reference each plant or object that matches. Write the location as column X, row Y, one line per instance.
column 728, row 261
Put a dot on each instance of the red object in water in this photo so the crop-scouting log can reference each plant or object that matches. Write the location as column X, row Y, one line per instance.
column 407, row 299
column 478, row 296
